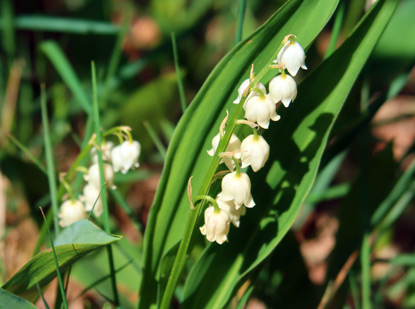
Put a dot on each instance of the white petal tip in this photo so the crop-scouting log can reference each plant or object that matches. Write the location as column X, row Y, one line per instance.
column 286, row 102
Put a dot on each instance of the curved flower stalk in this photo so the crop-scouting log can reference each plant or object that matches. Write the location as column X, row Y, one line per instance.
column 260, row 109
column 234, row 190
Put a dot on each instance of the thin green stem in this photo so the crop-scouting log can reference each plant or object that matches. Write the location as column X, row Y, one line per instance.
column 240, row 21
column 179, row 77
column 207, row 198
column 237, row 166
column 28, row 153
column 338, row 21
column 96, row 201
column 124, row 205
column 255, row 132
column 60, row 281
column 49, row 159
column 102, row 180
column 39, row 290
column 156, row 140
column 365, row 264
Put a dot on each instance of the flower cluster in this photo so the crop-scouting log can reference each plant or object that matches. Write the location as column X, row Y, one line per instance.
column 260, row 108
column 115, row 158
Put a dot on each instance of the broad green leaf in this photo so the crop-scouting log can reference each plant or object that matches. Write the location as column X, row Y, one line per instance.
column 187, row 151
column 398, row 41
column 9, row 300
column 65, row 70
column 297, row 143
column 73, row 243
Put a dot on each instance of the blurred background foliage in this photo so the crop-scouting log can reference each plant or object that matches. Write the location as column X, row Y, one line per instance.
column 54, row 42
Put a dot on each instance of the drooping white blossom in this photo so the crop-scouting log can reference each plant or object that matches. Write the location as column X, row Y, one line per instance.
column 292, row 56
column 125, row 156
column 261, row 109
column 93, row 176
column 70, row 212
column 255, row 152
column 237, row 188
column 229, row 206
column 234, row 145
column 217, row 224
column 106, row 148
column 283, row 88
column 90, row 198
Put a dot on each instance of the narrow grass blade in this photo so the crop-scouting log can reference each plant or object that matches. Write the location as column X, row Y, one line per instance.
column 49, row 160
column 65, row 25
column 58, row 272
column 65, row 70
column 156, row 140
column 178, row 72
column 27, row 153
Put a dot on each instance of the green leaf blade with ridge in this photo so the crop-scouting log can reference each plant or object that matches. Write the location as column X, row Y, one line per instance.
column 73, row 243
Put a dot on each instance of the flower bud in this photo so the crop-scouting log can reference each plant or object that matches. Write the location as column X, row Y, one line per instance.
column 234, row 145
column 237, row 188
column 261, row 109
column 230, row 208
column 106, row 148
column 90, row 196
column 283, row 88
column 70, row 212
column 241, row 90
column 93, row 176
column 125, row 156
column 217, row 224
column 292, row 56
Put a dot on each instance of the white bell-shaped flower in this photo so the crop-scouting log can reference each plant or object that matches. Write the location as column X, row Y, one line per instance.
column 292, row 56
column 93, row 176
column 283, row 88
column 90, row 198
column 237, row 188
column 255, row 152
column 70, row 212
column 217, row 224
column 230, row 208
column 125, row 156
column 106, row 148
column 243, row 87
column 234, row 145
column 261, row 109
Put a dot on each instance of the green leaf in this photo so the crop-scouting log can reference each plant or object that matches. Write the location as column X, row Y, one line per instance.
column 279, row 190
column 9, row 300
column 73, row 243
column 187, row 151
column 65, row 70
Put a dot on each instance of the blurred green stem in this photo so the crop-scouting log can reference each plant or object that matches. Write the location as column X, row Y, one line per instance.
column 102, row 180
column 336, row 29
column 49, row 159
column 178, row 74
